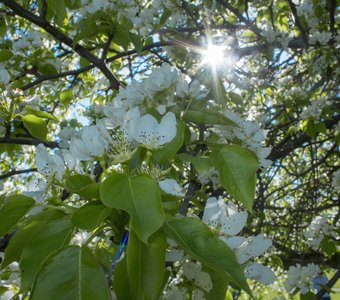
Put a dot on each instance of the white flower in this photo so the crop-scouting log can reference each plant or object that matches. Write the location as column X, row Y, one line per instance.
column 69, row 159
column 301, row 277
column 37, row 188
column 79, row 150
column 4, row 75
column 252, row 247
column 198, row 294
column 152, row 134
column 174, row 255
column 336, row 181
column 193, row 272
column 170, row 186
column 234, row 221
column 259, row 273
column 161, row 79
column 227, row 216
column 175, row 293
column 233, row 242
column 316, row 231
column 49, row 165
column 93, row 143
column 131, row 121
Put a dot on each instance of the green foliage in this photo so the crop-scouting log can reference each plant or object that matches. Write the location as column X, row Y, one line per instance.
column 5, row 55
column 197, row 239
column 53, row 236
column 146, row 266
column 90, row 215
column 40, row 114
column 140, row 197
column 207, row 116
column 237, row 167
column 35, row 126
column 75, row 268
column 83, row 186
column 13, row 210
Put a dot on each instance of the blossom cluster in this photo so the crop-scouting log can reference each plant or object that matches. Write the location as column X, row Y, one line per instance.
column 248, row 132
column 228, row 221
column 317, row 230
column 301, row 277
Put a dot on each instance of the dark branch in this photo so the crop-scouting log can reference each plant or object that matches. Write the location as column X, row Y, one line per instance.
column 61, row 37
column 22, row 141
column 329, row 284
column 16, row 172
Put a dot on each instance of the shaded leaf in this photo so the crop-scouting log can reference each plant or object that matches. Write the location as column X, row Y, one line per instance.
column 45, row 241
column 237, row 167
column 35, row 126
column 193, row 236
column 90, row 215
column 12, row 210
column 140, row 197
column 72, row 273
column 146, row 266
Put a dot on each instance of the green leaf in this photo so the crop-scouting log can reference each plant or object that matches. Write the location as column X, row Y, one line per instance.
column 146, row 266
column 193, row 236
column 308, row 296
column 167, row 152
column 26, row 232
column 120, row 283
column 201, row 163
column 58, row 8
column 86, row 28
column 66, row 97
column 207, row 116
column 90, row 215
column 54, row 235
column 328, row 246
column 41, row 114
column 164, row 17
column 237, row 167
column 35, row 126
column 219, row 284
column 83, row 186
column 12, row 210
column 5, row 55
column 136, row 40
column 47, row 68
column 237, row 99
column 72, row 273
column 140, row 197
column 121, row 37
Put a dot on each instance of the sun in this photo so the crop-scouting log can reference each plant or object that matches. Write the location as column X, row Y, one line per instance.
column 215, row 56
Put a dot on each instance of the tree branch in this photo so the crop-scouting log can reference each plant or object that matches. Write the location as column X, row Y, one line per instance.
column 297, row 22
column 329, row 284
column 22, row 141
column 250, row 25
column 16, row 172
column 61, row 37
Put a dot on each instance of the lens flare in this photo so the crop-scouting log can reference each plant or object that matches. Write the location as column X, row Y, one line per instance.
column 214, row 56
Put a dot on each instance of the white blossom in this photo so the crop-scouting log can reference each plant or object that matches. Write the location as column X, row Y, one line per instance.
column 170, row 186
column 317, row 230
column 93, row 142
column 336, row 181
column 259, row 273
column 200, row 278
column 301, row 277
column 252, row 247
column 152, row 134
column 4, row 75
column 49, row 165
